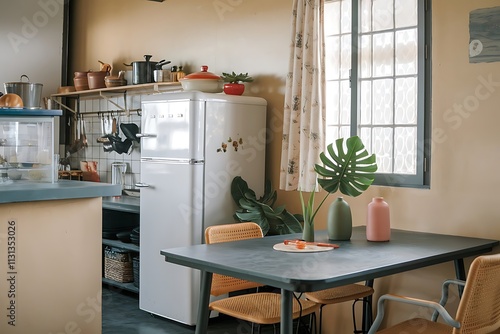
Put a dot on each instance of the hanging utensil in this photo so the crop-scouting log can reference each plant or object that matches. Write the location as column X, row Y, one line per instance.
column 84, row 135
column 130, row 130
column 72, row 145
column 114, row 127
column 102, row 139
column 107, row 125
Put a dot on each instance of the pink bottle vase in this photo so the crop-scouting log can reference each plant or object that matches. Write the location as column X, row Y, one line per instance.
column 378, row 223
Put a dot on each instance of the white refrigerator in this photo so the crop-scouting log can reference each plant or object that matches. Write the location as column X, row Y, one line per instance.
column 192, row 146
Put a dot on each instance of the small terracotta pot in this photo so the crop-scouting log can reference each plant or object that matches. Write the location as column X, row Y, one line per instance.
column 81, row 81
column 96, row 79
column 234, row 88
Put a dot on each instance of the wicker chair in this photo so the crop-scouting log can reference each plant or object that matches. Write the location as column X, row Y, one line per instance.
column 261, row 308
column 478, row 311
column 350, row 292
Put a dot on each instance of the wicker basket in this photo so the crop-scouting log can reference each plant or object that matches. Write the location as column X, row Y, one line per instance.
column 135, row 266
column 118, row 265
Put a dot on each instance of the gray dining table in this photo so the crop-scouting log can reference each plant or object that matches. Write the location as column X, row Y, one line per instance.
column 354, row 261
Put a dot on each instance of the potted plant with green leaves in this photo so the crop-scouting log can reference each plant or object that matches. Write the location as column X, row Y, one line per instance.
column 261, row 210
column 348, row 168
column 234, row 85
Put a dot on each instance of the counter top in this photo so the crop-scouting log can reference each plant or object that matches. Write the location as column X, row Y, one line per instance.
column 63, row 189
column 122, row 203
column 29, row 112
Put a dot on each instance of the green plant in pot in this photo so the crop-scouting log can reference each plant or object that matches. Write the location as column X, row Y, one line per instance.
column 260, row 210
column 234, row 81
column 347, row 168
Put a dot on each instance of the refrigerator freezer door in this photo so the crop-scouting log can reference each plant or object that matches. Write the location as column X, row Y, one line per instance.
column 171, row 216
column 173, row 129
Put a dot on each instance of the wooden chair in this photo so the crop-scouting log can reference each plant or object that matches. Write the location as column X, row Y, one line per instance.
column 350, row 292
column 478, row 311
column 261, row 308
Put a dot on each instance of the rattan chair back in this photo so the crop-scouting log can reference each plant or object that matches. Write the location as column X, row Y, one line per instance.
column 222, row 284
column 479, row 308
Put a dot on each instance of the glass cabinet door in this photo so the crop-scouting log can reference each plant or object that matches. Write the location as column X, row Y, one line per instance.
column 27, row 149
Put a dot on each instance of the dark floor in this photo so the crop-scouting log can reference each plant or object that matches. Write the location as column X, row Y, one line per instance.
column 121, row 315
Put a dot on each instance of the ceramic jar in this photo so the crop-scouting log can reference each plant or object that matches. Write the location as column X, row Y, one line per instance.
column 378, row 224
column 96, row 79
column 339, row 220
column 81, row 81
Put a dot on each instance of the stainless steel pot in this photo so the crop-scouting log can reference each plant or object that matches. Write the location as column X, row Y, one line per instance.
column 31, row 93
column 143, row 71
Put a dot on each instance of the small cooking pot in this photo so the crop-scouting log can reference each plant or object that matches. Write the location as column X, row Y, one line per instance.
column 143, row 71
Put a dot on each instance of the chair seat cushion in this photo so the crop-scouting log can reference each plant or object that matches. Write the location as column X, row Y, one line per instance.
column 340, row 294
column 260, row 308
column 418, row 326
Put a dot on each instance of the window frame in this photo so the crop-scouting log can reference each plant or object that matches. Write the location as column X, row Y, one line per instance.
column 423, row 146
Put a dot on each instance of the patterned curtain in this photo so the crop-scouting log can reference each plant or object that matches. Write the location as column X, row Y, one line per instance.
column 304, row 114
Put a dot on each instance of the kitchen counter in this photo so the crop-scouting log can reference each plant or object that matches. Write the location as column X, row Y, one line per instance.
column 29, row 112
column 51, row 256
column 64, row 189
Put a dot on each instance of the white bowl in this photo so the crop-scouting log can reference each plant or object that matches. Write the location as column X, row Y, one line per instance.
column 203, row 85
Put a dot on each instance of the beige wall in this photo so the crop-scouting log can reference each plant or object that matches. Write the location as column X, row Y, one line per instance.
column 253, row 36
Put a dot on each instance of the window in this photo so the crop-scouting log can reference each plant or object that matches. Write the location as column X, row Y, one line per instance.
column 378, row 83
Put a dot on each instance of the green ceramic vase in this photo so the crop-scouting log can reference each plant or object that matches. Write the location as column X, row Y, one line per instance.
column 339, row 220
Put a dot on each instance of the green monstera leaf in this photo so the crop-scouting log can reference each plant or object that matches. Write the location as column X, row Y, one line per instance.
column 273, row 221
column 350, row 168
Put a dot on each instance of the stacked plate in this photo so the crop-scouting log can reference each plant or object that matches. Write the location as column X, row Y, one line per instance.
column 134, row 236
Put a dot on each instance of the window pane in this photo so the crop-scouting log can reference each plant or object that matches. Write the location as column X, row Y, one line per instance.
column 332, row 102
column 406, row 101
column 345, row 103
column 332, row 12
column 383, row 148
column 332, row 62
column 405, row 140
column 346, row 8
column 406, row 13
column 406, row 52
column 365, row 18
column 383, row 101
column 365, row 56
column 345, row 56
column 366, row 103
column 383, row 54
column 382, row 17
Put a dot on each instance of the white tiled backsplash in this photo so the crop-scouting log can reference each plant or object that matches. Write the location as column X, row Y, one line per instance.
column 93, row 130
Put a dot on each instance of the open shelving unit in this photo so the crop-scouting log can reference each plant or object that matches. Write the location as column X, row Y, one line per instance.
column 123, row 205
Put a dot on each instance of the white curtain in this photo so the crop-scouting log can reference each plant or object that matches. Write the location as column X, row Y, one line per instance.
column 304, row 114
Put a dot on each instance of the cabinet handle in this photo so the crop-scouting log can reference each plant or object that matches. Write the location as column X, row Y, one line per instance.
column 142, row 185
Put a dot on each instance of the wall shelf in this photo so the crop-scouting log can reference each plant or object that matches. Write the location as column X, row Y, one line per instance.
column 107, row 93
column 121, row 245
column 155, row 87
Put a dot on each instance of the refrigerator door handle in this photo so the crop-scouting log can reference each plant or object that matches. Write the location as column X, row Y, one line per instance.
column 142, row 185
column 146, row 135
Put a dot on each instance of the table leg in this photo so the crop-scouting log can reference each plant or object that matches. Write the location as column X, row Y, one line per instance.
column 286, row 312
column 367, row 309
column 203, row 312
column 460, row 273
